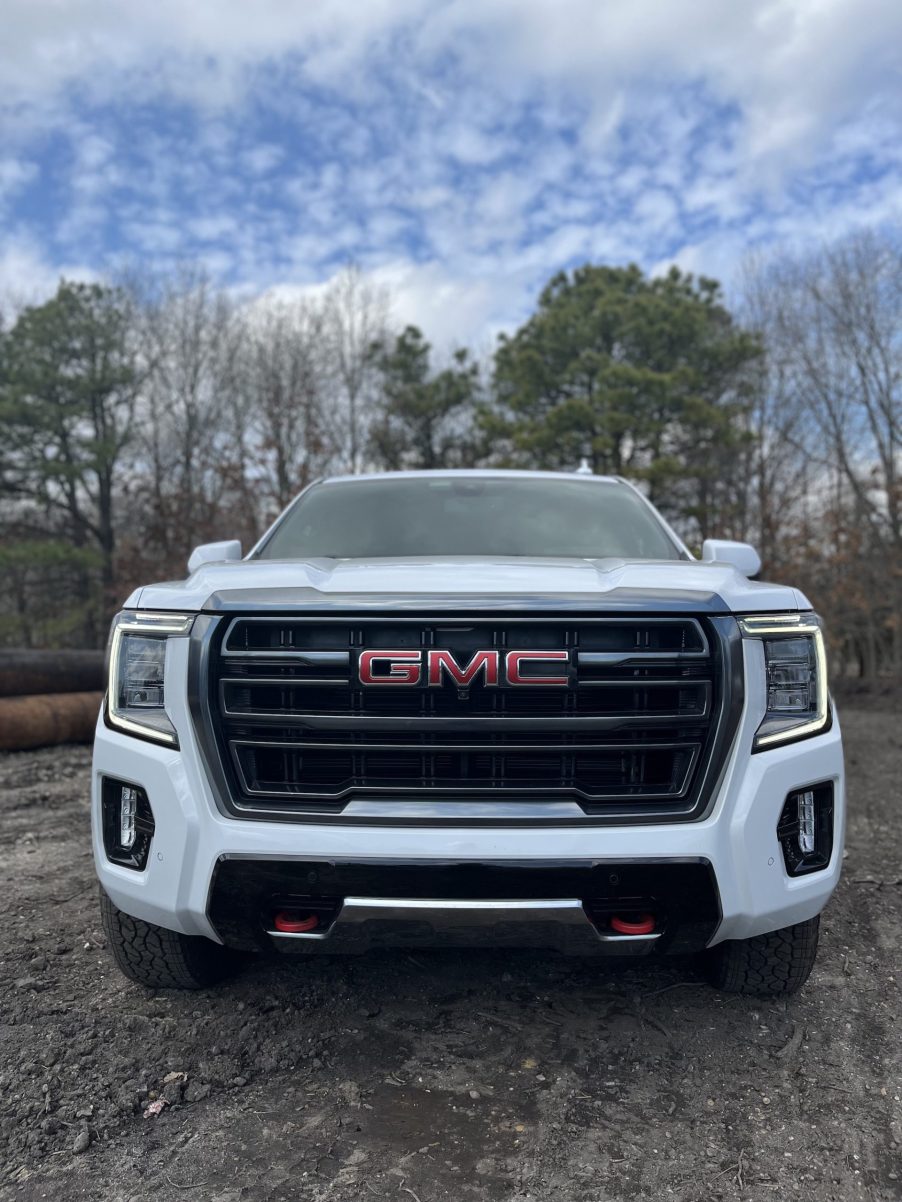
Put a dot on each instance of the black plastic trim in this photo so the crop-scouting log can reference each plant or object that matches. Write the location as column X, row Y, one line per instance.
column 469, row 793
column 796, row 863
column 137, row 856
column 682, row 890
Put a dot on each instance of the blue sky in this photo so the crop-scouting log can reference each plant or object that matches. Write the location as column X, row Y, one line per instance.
column 460, row 151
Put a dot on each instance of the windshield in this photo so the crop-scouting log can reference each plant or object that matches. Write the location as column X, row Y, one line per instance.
column 441, row 515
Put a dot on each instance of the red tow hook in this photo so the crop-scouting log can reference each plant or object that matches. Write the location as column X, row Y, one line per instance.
column 291, row 923
column 644, row 924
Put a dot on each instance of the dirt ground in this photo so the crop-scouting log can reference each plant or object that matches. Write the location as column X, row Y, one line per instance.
column 443, row 1076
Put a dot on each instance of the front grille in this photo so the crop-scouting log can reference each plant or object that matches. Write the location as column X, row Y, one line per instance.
column 632, row 733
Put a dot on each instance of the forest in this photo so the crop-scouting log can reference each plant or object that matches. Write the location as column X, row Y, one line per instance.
column 140, row 417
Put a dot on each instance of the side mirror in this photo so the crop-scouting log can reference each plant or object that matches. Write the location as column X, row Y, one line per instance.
column 225, row 552
column 742, row 556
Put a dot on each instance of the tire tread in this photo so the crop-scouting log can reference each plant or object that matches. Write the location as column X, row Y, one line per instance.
column 158, row 958
column 779, row 962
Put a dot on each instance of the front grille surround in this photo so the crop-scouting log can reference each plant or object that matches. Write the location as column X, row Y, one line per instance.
column 602, row 744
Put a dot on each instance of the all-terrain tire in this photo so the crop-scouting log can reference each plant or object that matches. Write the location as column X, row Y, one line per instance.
column 158, row 958
column 779, row 962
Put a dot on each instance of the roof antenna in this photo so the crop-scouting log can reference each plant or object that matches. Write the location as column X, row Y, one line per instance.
column 584, row 469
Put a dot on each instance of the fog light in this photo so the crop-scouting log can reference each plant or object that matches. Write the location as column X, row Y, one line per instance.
column 805, row 829
column 128, row 809
column 128, row 823
column 806, row 822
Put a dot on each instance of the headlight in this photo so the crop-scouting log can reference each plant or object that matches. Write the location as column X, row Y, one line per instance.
column 796, row 667
column 136, row 687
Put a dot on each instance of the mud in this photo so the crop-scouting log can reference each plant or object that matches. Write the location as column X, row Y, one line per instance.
column 443, row 1076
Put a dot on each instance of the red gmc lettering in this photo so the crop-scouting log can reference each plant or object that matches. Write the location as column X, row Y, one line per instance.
column 515, row 659
column 404, row 667
column 483, row 661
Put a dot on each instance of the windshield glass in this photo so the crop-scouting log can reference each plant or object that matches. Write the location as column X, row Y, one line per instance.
column 492, row 515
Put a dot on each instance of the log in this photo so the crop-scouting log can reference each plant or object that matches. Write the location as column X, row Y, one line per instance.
column 43, row 720
column 24, row 673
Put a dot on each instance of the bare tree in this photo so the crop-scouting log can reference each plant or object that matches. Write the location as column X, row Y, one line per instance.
column 192, row 342
column 774, row 470
column 288, row 437
column 355, row 314
column 837, row 333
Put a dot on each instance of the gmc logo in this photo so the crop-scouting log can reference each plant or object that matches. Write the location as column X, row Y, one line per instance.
column 407, row 668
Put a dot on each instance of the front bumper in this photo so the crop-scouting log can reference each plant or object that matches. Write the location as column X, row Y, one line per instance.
column 737, row 839
column 566, row 905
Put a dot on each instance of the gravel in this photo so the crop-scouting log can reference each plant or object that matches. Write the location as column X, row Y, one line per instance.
column 442, row 1076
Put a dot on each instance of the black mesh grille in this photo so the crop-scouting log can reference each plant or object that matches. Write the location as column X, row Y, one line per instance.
column 595, row 774
column 298, row 730
column 682, row 698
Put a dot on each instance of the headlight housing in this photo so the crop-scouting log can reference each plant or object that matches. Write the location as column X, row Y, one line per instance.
column 796, row 667
column 137, row 664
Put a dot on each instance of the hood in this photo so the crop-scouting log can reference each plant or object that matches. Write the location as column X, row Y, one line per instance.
column 457, row 582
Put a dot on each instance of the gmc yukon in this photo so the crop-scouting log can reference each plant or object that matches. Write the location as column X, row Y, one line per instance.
column 468, row 708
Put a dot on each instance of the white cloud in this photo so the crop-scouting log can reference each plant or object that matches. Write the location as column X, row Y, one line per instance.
column 27, row 278
column 14, row 175
column 793, row 66
column 211, row 229
column 451, row 308
column 461, row 151
column 261, row 159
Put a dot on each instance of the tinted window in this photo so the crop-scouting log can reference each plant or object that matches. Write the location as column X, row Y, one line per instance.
column 469, row 516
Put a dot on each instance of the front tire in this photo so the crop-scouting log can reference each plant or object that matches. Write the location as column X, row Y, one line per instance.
column 779, row 962
column 159, row 958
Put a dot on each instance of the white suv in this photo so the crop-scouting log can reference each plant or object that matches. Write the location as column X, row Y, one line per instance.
column 485, row 707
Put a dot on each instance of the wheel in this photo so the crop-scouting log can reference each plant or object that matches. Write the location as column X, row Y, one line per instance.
column 162, row 959
column 779, row 962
